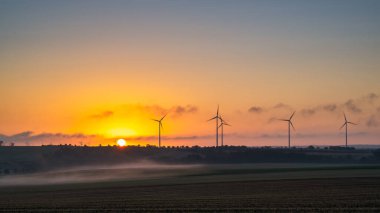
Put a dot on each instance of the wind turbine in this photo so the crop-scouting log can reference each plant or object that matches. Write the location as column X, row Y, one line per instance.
column 223, row 122
column 159, row 129
column 346, row 124
column 289, row 124
column 217, row 117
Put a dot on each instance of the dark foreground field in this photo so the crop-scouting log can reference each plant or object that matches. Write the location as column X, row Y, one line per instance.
column 208, row 189
column 361, row 194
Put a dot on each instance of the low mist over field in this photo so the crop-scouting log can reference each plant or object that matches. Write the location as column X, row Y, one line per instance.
column 126, row 172
column 70, row 164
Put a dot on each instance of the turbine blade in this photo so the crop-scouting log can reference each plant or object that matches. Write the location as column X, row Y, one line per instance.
column 227, row 124
column 161, row 125
column 155, row 120
column 282, row 120
column 163, row 117
column 221, row 119
column 352, row 123
column 292, row 125
column 345, row 118
column 292, row 116
column 343, row 125
column 213, row 118
column 217, row 111
column 220, row 125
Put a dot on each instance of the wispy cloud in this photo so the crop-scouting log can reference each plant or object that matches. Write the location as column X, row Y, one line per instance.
column 181, row 110
column 308, row 112
column 259, row 109
column 373, row 121
column 374, row 118
column 370, row 98
column 154, row 110
column 314, row 110
column 357, row 106
column 282, row 106
column 330, row 107
column 272, row 119
column 256, row 109
column 365, row 108
column 30, row 138
column 352, row 106
column 102, row 115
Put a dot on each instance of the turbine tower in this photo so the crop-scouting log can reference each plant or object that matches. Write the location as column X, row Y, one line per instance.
column 346, row 122
column 223, row 122
column 289, row 124
column 217, row 117
column 159, row 129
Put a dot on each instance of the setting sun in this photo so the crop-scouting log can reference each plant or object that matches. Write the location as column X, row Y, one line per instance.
column 121, row 142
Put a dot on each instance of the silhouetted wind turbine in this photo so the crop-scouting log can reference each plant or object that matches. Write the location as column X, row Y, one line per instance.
column 346, row 124
column 289, row 123
column 217, row 117
column 159, row 129
column 223, row 122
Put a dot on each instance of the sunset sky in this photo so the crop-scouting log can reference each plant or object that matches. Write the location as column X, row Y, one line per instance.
column 90, row 72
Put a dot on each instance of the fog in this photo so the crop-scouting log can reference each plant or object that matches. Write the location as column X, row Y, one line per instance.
column 123, row 172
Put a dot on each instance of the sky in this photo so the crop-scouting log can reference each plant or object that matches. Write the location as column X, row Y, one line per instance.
column 90, row 72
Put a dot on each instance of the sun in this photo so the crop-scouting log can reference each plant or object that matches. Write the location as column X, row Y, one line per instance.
column 121, row 142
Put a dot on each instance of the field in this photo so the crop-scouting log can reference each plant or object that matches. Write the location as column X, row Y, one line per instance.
column 151, row 187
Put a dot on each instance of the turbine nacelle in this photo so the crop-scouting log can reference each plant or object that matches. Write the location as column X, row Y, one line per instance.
column 159, row 121
column 346, row 122
column 224, row 124
column 289, row 120
column 217, row 116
